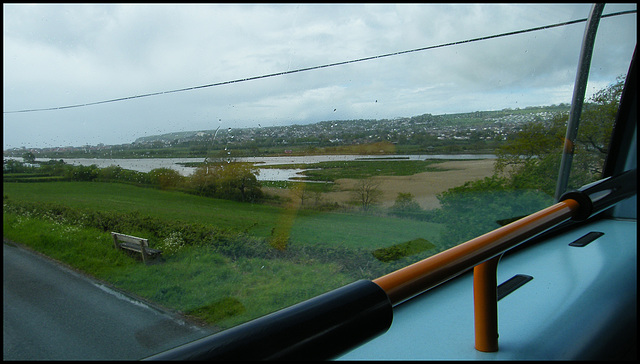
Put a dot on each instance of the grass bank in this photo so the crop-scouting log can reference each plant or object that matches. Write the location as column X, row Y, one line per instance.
column 195, row 281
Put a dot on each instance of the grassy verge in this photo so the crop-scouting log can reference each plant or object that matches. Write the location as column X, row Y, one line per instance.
column 196, row 281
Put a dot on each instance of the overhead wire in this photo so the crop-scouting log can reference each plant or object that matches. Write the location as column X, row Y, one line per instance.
column 522, row 31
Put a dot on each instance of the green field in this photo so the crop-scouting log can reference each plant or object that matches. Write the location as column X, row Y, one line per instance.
column 310, row 227
column 359, row 231
column 172, row 205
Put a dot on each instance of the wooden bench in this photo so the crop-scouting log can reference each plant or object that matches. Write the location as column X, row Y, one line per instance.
column 135, row 244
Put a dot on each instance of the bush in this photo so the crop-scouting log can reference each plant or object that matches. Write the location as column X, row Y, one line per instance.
column 165, row 178
column 402, row 250
column 405, row 203
column 219, row 310
column 14, row 166
column 233, row 181
column 81, row 173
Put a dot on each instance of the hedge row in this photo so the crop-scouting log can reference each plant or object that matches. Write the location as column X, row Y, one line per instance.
column 122, row 222
column 358, row 262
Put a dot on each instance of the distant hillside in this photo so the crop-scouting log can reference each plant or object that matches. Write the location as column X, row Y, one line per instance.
column 479, row 132
column 337, row 128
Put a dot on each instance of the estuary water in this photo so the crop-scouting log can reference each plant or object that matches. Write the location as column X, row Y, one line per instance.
column 266, row 174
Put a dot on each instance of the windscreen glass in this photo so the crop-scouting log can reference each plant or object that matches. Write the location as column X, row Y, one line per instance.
column 271, row 153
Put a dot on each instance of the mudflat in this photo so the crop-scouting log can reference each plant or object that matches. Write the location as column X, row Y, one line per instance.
column 423, row 186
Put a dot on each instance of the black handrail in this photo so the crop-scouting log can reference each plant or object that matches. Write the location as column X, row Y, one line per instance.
column 317, row 329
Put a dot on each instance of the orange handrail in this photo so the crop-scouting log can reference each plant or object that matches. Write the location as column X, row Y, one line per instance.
column 485, row 305
column 430, row 272
column 481, row 254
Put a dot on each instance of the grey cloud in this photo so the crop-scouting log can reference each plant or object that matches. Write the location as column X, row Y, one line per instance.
column 58, row 55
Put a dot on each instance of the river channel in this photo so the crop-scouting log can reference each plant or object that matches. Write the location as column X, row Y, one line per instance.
column 266, row 174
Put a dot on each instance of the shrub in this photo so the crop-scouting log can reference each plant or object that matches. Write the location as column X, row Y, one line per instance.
column 165, row 178
column 398, row 251
column 219, row 310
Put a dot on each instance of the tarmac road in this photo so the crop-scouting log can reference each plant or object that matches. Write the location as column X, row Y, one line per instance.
column 53, row 313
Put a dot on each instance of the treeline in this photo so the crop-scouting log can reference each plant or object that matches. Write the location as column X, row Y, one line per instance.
column 231, row 181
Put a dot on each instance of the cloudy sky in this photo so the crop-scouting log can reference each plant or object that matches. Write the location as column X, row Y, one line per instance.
column 65, row 55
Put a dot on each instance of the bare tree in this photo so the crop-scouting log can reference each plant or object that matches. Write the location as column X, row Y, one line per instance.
column 366, row 193
column 300, row 190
